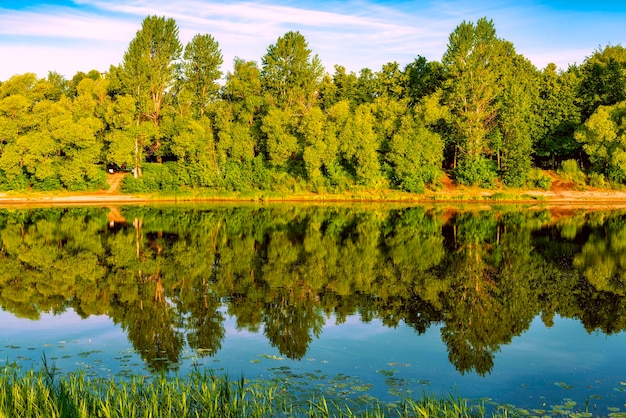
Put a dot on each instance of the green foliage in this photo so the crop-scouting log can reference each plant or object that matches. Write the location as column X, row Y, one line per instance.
column 18, row 183
column 570, row 171
column 597, row 180
column 248, row 175
column 473, row 64
column 290, row 73
column 539, row 180
column 149, row 68
column 602, row 79
column 558, row 115
column 603, row 137
column 312, row 131
column 156, row 177
column 202, row 60
column 48, row 184
column 477, row 172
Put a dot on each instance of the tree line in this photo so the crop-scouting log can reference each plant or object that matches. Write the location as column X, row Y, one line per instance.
column 169, row 275
column 169, row 114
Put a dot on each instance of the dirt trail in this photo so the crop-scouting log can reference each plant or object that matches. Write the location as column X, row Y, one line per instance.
column 114, row 180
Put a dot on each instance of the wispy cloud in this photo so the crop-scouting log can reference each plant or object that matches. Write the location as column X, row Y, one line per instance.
column 354, row 33
column 64, row 23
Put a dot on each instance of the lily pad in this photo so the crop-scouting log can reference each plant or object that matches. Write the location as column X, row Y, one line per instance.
column 564, row 385
column 390, row 372
column 396, row 382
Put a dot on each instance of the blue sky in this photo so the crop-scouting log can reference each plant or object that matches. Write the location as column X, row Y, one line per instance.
column 69, row 36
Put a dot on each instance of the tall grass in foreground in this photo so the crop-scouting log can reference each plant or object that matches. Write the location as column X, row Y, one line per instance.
column 49, row 394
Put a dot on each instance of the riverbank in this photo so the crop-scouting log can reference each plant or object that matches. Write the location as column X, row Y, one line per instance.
column 559, row 194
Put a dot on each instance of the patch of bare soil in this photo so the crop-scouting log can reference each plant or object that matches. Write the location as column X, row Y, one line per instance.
column 561, row 192
column 110, row 195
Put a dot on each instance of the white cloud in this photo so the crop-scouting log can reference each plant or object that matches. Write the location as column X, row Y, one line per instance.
column 355, row 34
column 64, row 23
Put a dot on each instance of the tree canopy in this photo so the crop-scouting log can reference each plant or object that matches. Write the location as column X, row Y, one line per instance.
column 168, row 112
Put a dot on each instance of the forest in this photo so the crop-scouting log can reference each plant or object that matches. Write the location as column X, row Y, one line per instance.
column 168, row 114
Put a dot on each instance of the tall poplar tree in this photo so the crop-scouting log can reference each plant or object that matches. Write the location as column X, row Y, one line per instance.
column 471, row 64
column 149, row 71
column 201, row 71
column 291, row 73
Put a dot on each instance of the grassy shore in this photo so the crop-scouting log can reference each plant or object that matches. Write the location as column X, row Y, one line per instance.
column 49, row 394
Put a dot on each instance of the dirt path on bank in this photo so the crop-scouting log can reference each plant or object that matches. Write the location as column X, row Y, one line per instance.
column 114, row 180
column 108, row 196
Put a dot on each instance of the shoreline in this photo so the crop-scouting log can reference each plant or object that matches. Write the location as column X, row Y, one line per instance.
column 457, row 196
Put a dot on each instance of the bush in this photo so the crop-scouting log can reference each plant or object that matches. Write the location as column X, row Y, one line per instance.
column 20, row 182
column 597, row 180
column 537, row 179
column 478, row 171
column 48, row 184
column 570, row 171
column 155, row 178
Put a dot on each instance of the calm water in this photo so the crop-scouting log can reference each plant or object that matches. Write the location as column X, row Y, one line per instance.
column 525, row 307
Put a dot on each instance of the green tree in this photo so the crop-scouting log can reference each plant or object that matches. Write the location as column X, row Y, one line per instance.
column 282, row 145
column 423, row 78
column 238, row 116
column 359, row 146
column 290, row 74
column 415, row 150
column 603, row 137
column 517, row 120
column 472, row 64
column 603, row 79
column 558, row 115
column 201, row 71
column 149, row 70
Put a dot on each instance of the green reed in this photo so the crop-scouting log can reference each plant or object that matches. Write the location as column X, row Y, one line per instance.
column 48, row 393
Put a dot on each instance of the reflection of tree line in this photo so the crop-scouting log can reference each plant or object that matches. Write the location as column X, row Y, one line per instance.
column 483, row 276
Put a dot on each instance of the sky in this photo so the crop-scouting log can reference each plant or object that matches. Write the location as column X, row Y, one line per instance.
column 68, row 36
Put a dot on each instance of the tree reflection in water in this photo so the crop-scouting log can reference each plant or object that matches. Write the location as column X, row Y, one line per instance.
column 168, row 277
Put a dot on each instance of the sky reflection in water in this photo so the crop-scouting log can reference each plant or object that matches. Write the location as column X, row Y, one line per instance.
column 348, row 301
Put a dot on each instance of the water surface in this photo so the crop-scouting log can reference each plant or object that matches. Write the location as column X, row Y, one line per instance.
column 525, row 307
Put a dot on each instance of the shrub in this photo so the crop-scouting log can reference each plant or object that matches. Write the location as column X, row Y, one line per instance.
column 537, row 179
column 570, row 171
column 597, row 180
column 19, row 182
column 156, row 177
column 478, row 171
column 48, row 184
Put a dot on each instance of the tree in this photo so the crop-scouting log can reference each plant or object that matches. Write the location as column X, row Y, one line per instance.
column 148, row 73
column 201, row 71
column 290, row 73
column 558, row 115
column 415, row 150
column 604, row 140
column 603, row 79
column 512, row 140
column 423, row 78
column 392, row 81
column 472, row 66
column 360, row 146
column 282, row 145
